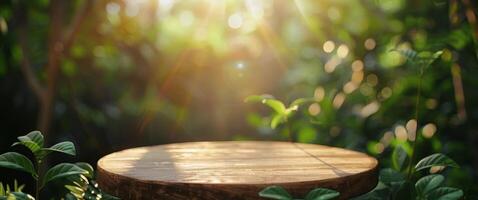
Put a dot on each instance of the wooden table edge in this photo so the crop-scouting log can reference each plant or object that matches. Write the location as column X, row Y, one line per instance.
column 370, row 176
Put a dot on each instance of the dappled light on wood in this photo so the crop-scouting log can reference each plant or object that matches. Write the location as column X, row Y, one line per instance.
column 236, row 166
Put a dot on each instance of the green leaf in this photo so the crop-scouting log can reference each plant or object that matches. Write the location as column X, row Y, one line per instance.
column 88, row 168
column 33, row 146
column 276, row 120
column 275, row 192
column 16, row 187
column 2, row 190
column 378, row 193
column 437, row 159
column 428, row 183
column 409, row 54
column 268, row 100
column 257, row 98
column 62, row 147
column 76, row 191
column 302, row 101
column 426, row 58
column 445, row 193
column 61, row 171
column 34, row 136
column 322, row 194
column 459, row 38
column 437, row 54
column 77, row 180
column 290, row 110
column 399, row 158
column 395, row 182
column 13, row 160
column 381, row 191
column 389, row 176
column 276, row 105
column 19, row 196
column 423, row 58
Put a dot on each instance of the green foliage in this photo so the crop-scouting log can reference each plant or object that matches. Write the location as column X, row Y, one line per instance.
column 393, row 185
column 5, row 188
column 62, row 147
column 436, row 159
column 275, row 192
column 16, row 194
column 322, row 194
column 445, row 193
column 421, row 59
column 428, row 183
column 85, row 187
column 34, row 136
column 34, row 141
column 399, row 158
column 78, row 177
column 279, row 193
column 281, row 112
column 392, row 182
column 61, row 171
column 17, row 161
column 390, row 177
column 87, row 167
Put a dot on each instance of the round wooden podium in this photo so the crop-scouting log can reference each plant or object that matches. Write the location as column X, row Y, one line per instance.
column 233, row 170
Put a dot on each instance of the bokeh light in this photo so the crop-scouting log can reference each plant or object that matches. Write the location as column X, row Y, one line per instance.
column 429, row 130
column 357, row 65
column 314, row 109
column 328, row 46
column 342, row 51
column 411, row 127
column 339, row 100
column 401, row 133
column 319, row 94
column 235, row 21
column 370, row 109
column 369, row 44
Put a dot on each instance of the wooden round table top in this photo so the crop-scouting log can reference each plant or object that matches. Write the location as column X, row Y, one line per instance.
column 234, row 170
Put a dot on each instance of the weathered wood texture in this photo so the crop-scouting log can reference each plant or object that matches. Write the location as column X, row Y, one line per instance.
column 233, row 170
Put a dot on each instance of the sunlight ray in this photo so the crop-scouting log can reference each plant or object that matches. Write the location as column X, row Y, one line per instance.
column 299, row 4
column 278, row 49
column 148, row 115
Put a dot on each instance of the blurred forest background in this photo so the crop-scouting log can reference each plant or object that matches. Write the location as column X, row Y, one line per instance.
column 113, row 74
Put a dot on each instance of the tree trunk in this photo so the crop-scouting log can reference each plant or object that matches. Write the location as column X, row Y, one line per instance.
column 55, row 47
column 58, row 41
column 45, row 114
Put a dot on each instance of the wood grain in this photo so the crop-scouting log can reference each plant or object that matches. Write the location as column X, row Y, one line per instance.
column 233, row 170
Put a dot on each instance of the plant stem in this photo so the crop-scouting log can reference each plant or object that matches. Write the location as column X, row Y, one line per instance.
column 37, row 180
column 37, row 190
column 414, row 142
